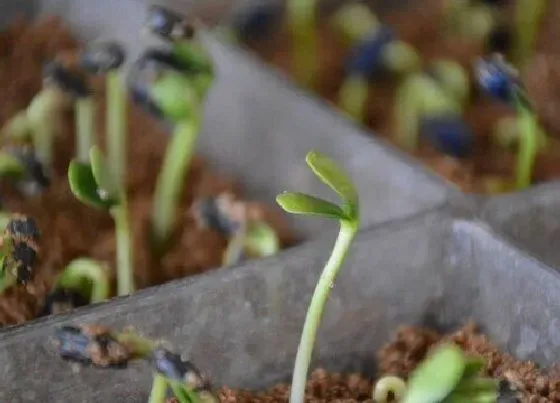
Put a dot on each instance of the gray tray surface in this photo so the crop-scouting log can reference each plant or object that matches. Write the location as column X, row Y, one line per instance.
column 243, row 325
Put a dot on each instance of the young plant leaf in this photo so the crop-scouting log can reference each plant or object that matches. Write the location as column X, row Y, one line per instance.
column 261, row 240
column 102, row 173
column 436, row 377
column 299, row 203
column 334, row 177
column 84, row 186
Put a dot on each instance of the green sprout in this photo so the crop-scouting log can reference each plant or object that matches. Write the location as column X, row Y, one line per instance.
column 445, row 376
column 528, row 16
column 175, row 91
column 302, row 23
column 38, row 123
column 102, row 347
column 94, row 184
column 501, row 80
column 175, row 94
column 248, row 237
column 375, row 54
column 88, row 277
column 422, row 95
column 348, row 215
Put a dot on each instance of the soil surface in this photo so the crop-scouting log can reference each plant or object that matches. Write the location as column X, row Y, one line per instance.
column 400, row 356
column 72, row 230
column 491, row 166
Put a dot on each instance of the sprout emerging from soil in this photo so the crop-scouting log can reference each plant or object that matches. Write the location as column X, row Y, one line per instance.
column 348, row 214
column 19, row 247
column 38, row 123
column 94, row 184
column 75, row 86
column 172, row 86
column 446, row 375
column 83, row 282
column 301, row 17
column 247, row 237
column 528, row 16
column 106, row 59
column 431, row 103
column 99, row 346
column 95, row 180
column 374, row 55
column 501, row 81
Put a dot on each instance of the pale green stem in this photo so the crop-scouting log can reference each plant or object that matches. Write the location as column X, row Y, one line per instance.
column 125, row 273
column 528, row 147
column 386, row 385
column 407, row 115
column 301, row 15
column 116, row 126
column 91, row 270
column 353, row 97
column 42, row 116
column 8, row 277
column 171, row 180
column 43, row 143
column 355, row 21
column 347, row 232
column 528, row 15
column 85, row 128
column 159, row 389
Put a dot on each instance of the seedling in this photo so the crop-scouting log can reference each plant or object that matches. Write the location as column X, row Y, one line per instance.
column 501, row 81
column 83, row 282
column 247, row 237
column 528, row 16
column 348, row 214
column 431, row 103
column 445, row 376
column 99, row 346
column 75, row 86
column 19, row 247
column 95, row 185
column 190, row 56
column 172, row 86
column 377, row 54
column 301, row 17
column 38, row 123
column 106, row 59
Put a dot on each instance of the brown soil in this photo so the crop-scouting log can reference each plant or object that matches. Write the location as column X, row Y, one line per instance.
column 420, row 25
column 400, row 357
column 71, row 230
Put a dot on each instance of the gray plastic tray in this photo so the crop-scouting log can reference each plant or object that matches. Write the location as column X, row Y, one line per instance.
column 243, row 325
